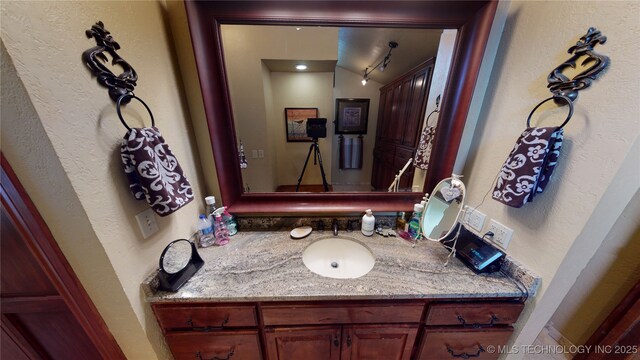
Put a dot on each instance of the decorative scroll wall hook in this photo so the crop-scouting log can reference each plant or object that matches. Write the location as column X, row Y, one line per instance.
column 94, row 58
column 561, row 85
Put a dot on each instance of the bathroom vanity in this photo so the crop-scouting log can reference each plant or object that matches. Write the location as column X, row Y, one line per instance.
column 255, row 299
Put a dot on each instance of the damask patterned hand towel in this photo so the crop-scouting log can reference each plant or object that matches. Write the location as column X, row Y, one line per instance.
column 153, row 172
column 528, row 168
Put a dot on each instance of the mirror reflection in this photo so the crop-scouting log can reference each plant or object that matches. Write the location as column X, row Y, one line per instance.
column 373, row 85
column 443, row 209
column 177, row 256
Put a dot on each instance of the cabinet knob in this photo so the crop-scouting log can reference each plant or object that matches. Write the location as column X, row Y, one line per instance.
column 348, row 340
column 336, row 342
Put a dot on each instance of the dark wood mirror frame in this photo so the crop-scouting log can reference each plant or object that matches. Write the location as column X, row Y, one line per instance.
column 472, row 19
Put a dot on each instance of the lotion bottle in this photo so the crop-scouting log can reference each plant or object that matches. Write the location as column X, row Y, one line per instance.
column 368, row 223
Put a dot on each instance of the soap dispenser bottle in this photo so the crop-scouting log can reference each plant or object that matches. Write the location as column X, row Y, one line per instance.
column 368, row 223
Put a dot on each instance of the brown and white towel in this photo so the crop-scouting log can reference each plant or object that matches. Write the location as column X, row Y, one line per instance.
column 528, row 168
column 153, row 171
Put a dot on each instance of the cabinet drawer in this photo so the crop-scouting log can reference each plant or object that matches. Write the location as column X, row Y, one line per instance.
column 473, row 314
column 205, row 317
column 464, row 343
column 341, row 314
column 236, row 345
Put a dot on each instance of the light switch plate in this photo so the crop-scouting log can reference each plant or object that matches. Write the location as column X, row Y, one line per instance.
column 147, row 223
column 260, row 154
column 474, row 218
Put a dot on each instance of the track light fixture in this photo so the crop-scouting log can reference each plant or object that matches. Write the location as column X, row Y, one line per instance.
column 382, row 65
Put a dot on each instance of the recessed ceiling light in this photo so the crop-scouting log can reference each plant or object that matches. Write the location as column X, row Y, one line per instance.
column 301, row 67
column 298, row 28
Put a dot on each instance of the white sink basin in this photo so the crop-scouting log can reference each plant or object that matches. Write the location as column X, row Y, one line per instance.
column 338, row 258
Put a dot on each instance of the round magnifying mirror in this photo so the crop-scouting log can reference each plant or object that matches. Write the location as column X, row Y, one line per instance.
column 176, row 256
column 443, row 209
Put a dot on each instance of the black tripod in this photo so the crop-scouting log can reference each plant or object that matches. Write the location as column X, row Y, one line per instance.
column 316, row 155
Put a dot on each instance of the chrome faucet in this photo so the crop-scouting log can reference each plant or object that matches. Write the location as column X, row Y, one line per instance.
column 334, row 226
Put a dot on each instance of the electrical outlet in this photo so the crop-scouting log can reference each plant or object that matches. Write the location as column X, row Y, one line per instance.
column 501, row 234
column 261, row 154
column 474, row 218
column 147, row 223
column 254, row 154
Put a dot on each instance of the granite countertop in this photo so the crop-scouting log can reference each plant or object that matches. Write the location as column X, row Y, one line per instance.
column 267, row 266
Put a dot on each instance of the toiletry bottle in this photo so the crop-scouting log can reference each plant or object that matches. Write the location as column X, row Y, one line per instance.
column 414, row 223
column 221, row 232
column 401, row 222
column 205, row 231
column 368, row 223
column 211, row 206
column 230, row 220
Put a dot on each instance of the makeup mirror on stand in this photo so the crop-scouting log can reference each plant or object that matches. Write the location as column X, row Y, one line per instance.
column 178, row 263
column 443, row 209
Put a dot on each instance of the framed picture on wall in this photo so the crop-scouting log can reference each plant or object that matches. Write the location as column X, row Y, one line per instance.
column 296, row 123
column 352, row 116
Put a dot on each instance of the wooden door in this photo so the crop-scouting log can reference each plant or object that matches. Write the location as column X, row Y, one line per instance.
column 46, row 314
column 618, row 337
column 373, row 342
column 401, row 113
column 304, row 343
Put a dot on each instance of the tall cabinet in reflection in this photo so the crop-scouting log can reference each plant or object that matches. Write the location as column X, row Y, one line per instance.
column 400, row 116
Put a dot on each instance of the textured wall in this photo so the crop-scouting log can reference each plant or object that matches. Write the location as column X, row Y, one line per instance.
column 598, row 140
column 45, row 41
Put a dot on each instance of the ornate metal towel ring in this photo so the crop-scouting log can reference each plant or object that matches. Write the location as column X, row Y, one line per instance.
column 95, row 58
column 559, row 84
column 125, row 99
column 556, row 98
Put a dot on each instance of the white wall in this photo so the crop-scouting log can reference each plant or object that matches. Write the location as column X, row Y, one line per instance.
column 558, row 233
column 62, row 136
column 348, row 85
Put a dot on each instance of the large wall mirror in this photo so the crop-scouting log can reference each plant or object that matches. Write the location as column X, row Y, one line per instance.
column 247, row 53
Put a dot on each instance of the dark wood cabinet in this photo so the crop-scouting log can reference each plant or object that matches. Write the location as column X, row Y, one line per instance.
column 309, row 343
column 400, row 116
column 467, row 330
column 337, row 330
column 373, row 342
column 235, row 344
column 447, row 343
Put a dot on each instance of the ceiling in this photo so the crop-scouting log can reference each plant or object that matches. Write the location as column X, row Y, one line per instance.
column 359, row 48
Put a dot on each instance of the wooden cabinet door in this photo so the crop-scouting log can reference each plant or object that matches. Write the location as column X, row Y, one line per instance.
column 306, row 343
column 373, row 342
column 400, row 117
column 463, row 343
column 234, row 345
